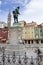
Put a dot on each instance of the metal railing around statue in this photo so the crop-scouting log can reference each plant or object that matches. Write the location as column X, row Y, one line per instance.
column 18, row 60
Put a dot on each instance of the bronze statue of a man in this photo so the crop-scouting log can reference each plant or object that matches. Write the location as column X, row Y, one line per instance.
column 15, row 14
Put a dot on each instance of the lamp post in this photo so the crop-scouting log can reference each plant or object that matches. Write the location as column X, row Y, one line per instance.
column 3, row 55
column 8, row 58
column 31, row 62
column 19, row 61
column 14, row 57
column 25, row 59
column 39, row 56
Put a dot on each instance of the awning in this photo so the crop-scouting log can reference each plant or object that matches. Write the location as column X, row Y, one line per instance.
column 0, row 37
column 3, row 39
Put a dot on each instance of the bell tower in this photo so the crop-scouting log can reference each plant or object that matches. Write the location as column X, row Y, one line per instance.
column 9, row 20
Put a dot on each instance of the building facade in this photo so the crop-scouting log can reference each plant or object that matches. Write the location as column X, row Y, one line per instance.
column 2, row 24
column 28, row 32
column 3, row 35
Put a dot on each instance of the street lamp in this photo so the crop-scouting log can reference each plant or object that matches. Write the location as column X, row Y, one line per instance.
column 25, row 59
column 14, row 57
column 8, row 59
column 3, row 55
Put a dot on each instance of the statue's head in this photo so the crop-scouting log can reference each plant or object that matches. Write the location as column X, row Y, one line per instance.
column 18, row 7
column 13, row 12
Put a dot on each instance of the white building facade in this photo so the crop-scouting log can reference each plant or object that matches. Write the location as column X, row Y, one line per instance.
column 3, row 24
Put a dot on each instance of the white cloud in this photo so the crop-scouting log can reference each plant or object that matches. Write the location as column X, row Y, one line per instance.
column 0, row 2
column 23, row 2
column 33, row 11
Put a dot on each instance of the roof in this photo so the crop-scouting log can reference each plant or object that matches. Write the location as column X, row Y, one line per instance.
column 22, row 21
column 2, row 22
column 31, row 24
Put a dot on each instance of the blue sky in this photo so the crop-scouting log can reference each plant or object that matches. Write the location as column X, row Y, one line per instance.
column 30, row 10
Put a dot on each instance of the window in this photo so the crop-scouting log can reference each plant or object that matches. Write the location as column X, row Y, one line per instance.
column 4, row 37
column 25, row 32
column 36, row 36
column 41, row 30
column 32, row 32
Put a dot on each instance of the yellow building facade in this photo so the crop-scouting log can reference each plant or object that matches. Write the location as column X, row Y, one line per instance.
column 28, row 32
